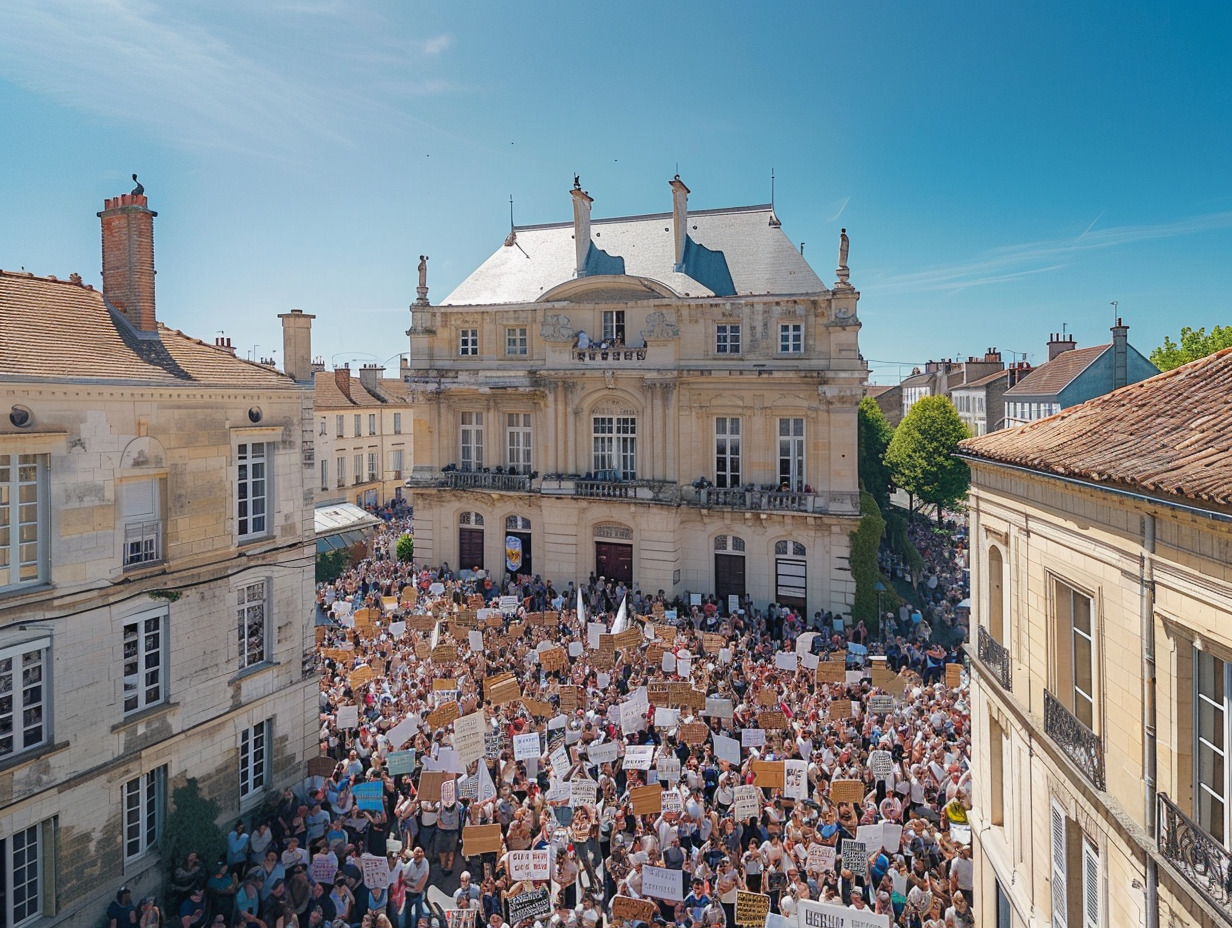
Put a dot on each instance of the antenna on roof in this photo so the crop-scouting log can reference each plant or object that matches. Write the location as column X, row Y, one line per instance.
column 772, row 190
column 511, row 212
column 1114, row 304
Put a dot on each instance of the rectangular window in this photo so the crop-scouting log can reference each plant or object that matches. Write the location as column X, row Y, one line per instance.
column 23, row 519
column 371, row 465
column 143, row 802
column 791, row 337
column 515, row 341
column 144, row 662
column 615, row 447
column 254, row 759
column 140, row 504
column 395, row 463
column 1211, row 744
column 340, row 468
column 614, row 326
column 517, row 442
column 324, row 474
column 341, row 430
column 791, row 455
column 252, row 489
column 371, row 423
column 359, row 469
column 252, row 615
column 468, row 343
column 397, row 423
column 23, row 875
column 324, row 422
column 472, row 441
column 358, row 424
column 727, row 452
column 1075, row 658
column 24, row 677
column 727, row 339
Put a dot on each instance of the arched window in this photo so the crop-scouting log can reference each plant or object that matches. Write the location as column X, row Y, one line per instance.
column 780, row 547
column 517, row 524
column 720, row 543
column 737, row 543
column 470, row 518
column 797, row 549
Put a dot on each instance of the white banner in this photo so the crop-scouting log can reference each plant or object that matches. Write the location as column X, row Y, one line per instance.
column 583, row 792
column 795, row 779
column 605, row 753
column 663, row 883
column 827, row 915
column 727, row 749
column 530, row 865
column 638, row 756
column 526, row 747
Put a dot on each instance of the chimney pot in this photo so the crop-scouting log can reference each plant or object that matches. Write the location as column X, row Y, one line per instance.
column 297, row 344
column 128, row 259
column 680, row 219
column 581, row 228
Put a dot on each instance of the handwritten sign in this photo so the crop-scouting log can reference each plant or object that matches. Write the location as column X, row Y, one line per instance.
column 647, row 800
column 662, row 883
column 840, row 709
column 752, row 909
column 953, row 675
column 530, row 865
column 847, row 791
column 442, row 715
column 504, row 692
column 526, row 747
column 773, row 720
column 628, row 909
column 534, row 904
column 481, row 839
column 767, row 774
column 400, row 762
column 376, row 871
column 880, row 705
column 694, row 733
column 830, row 672
column 820, row 859
column 554, row 659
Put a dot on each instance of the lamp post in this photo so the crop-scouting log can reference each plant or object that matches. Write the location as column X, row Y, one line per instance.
column 880, row 588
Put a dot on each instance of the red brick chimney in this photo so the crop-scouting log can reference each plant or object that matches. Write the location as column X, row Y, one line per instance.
column 128, row 258
column 342, row 379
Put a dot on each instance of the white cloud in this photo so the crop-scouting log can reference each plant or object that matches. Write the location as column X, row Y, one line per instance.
column 438, row 44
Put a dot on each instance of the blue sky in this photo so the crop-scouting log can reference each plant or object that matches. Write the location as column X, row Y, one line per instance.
column 1002, row 169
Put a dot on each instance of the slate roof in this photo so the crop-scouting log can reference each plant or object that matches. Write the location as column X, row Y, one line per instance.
column 54, row 330
column 728, row 251
column 1050, row 378
column 1168, row 436
column 983, row 381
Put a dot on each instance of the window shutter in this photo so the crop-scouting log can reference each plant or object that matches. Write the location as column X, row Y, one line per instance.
column 48, row 856
column 138, row 500
column 1090, row 885
column 1059, row 900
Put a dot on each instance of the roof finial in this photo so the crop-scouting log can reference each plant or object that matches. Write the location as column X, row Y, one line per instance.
column 138, row 190
column 577, row 181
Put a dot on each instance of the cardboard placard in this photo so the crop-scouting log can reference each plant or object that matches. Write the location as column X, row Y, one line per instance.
column 538, row 707
column 569, row 699
column 647, row 800
column 481, row 839
column 321, row 767
column 444, row 653
column 654, row 654
column 503, row 692
column 442, row 715
column 953, row 676
column 711, row 642
column 628, row 640
column 840, row 709
column 530, row 905
column 554, row 659
column 694, row 733
column 429, row 788
column 774, row 720
column 626, row 908
column 338, row 655
column 830, row 672
column 751, row 909
column 847, row 791
column 767, row 774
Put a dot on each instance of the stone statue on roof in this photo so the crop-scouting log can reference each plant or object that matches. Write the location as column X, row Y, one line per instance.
column 843, row 245
column 421, row 292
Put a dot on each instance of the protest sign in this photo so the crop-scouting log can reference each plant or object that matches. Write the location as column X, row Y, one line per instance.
column 348, row 717
column 647, row 800
column 530, row 865
column 855, row 857
column 376, row 871
column 768, row 697
column 475, row 639
column 504, row 692
column 460, row 918
column 537, row 707
column 840, row 709
column 820, row 858
column 323, row 869
column 638, row 756
column 361, row 675
column 400, row 762
column 569, row 698
column 747, row 803
column 719, row 708
column 880, row 705
column 430, row 781
column 671, row 802
column 628, row 909
column 554, row 659
column 527, row 747
column 492, row 745
column 662, row 883
column 837, row 915
column 442, row 715
column 727, row 749
column 529, row 905
column 321, row 766
column 403, row 732
column 752, row 909
column 953, row 675
column 694, row 732
column 785, row 660
column 752, row 737
column 368, row 795
column 582, row 792
column 605, row 753
column 830, row 672
column 795, row 779
column 481, row 839
column 668, row 768
column 847, row 791
column 468, row 736
column 773, row 720
column 881, row 763
column 767, row 774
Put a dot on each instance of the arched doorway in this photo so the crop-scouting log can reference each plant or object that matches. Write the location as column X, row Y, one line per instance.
column 470, row 540
column 728, row 568
column 517, row 546
column 791, row 576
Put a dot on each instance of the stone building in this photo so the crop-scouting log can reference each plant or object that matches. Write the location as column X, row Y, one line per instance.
column 667, row 399
column 156, row 577
column 1101, row 546
column 363, row 436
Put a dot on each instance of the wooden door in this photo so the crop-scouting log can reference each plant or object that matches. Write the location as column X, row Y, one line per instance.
column 728, row 577
column 615, row 562
column 470, row 548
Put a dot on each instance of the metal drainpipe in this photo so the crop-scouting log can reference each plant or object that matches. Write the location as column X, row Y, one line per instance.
column 1147, row 597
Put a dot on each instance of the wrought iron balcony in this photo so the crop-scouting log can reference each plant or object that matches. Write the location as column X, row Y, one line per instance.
column 1079, row 743
column 608, row 355
column 477, row 480
column 1201, row 859
column 995, row 656
column 765, row 500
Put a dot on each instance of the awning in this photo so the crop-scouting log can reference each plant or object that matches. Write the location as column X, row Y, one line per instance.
column 341, row 525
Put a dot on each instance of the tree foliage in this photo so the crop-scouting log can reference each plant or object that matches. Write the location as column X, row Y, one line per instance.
column 192, row 826
column 1195, row 344
column 406, row 548
column 921, row 453
column 874, row 434
column 865, row 541
column 331, row 564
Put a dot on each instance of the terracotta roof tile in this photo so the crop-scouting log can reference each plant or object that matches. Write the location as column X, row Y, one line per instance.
column 1167, row 436
column 1052, row 377
column 57, row 329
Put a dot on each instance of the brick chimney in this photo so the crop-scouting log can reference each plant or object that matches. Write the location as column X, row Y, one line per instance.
column 1059, row 345
column 680, row 219
column 342, row 378
column 297, row 344
column 1120, row 355
column 224, row 342
column 370, row 376
column 128, row 258
column 581, row 226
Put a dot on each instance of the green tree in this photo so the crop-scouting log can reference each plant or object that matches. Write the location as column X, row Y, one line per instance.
column 1194, row 344
column 874, row 434
column 406, row 548
column 865, row 541
column 192, row 826
column 921, row 454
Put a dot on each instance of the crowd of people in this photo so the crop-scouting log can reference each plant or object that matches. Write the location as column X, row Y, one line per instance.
column 595, row 756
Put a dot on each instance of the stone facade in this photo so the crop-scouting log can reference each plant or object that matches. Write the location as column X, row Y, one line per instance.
column 157, row 626
column 635, row 413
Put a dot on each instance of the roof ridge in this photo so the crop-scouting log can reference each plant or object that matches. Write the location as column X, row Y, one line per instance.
column 568, row 224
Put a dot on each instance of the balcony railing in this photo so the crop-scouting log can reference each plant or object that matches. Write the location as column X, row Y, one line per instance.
column 471, row 480
column 995, row 656
column 1079, row 743
column 608, row 355
column 646, row 490
column 1201, row 859
column 768, row 500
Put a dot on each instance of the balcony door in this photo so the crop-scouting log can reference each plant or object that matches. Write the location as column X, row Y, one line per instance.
column 729, row 575
column 791, row 576
column 470, row 540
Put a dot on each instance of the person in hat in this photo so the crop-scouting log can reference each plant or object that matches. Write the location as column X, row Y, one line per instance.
column 122, row 913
